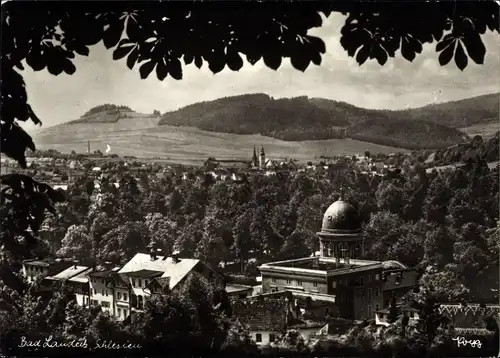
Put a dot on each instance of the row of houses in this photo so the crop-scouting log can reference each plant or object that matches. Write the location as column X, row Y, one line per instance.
column 121, row 291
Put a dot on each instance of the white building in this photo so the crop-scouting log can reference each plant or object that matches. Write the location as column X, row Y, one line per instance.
column 122, row 291
column 101, row 290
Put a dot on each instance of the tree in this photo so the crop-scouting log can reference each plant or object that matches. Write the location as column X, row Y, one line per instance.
column 436, row 287
column 239, row 341
column 77, row 243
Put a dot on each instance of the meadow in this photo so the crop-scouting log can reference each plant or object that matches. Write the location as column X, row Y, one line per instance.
column 142, row 138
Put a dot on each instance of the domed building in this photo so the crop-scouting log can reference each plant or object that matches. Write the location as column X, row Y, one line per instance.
column 337, row 281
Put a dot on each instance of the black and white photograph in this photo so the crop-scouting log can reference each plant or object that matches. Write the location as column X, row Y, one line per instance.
column 250, row 178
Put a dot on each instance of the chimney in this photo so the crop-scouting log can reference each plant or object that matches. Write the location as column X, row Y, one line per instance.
column 175, row 256
column 153, row 255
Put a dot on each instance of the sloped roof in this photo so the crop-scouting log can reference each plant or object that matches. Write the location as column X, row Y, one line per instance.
column 262, row 314
column 103, row 273
column 175, row 270
column 69, row 272
column 234, row 287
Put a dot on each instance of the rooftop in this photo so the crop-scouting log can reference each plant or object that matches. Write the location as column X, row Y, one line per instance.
column 176, row 270
column 326, row 266
column 69, row 272
column 40, row 263
column 102, row 273
column 234, row 287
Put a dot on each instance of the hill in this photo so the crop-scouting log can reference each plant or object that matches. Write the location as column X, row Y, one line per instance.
column 303, row 118
column 457, row 114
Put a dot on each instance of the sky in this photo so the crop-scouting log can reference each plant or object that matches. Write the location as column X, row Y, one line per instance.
column 399, row 84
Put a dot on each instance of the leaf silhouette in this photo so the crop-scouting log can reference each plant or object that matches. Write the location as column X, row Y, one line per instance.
column 112, row 34
column 475, row 47
column 132, row 58
column 447, row 54
column 68, row 66
column 124, row 47
column 198, row 61
column 300, row 61
column 188, row 59
column 460, row 57
column 234, row 61
column 272, row 61
column 147, row 68
column 380, row 54
column 35, row 60
column 175, row 69
column 161, row 70
column 363, row 54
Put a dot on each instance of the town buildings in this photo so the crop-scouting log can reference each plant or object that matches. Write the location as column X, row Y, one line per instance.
column 337, row 281
column 120, row 291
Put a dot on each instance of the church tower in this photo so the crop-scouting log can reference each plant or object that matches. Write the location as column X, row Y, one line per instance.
column 340, row 236
column 262, row 161
column 254, row 158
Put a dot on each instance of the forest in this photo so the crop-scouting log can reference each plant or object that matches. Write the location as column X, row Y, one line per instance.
column 445, row 224
column 304, row 118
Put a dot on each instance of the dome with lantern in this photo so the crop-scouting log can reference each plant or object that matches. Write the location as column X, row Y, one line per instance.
column 341, row 218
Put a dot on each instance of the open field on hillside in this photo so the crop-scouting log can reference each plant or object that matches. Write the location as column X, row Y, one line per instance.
column 485, row 130
column 189, row 145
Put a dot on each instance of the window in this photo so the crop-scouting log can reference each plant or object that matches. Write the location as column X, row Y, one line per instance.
column 258, row 337
column 272, row 337
column 146, row 282
column 124, row 296
column 102, row 292
column 288, row 281
column 376, row 307
column 119, row 296
column 377, row 277
column 361, row 281
column 119, row 312
column 377, row 292
column 369, row 278
column 140, row 283
column 315, row 284
column 334, row 284
column 105, row 304
column 369, row 294
column 125, row 313
column 95, row 292
column 107, row 292
column 133, row 282
column 102, row 282
column 140, row 302
column 299, row 283
column 369, row 311
column 327, row 311
column 273, row 279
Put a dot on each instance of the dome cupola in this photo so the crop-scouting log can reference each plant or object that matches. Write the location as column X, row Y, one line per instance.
column 341, row 218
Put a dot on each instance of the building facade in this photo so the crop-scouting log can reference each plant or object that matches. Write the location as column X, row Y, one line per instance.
column 336, row 281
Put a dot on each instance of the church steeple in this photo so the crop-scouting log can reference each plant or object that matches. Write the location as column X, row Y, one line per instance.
column 262, row 162
column 254, row 157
